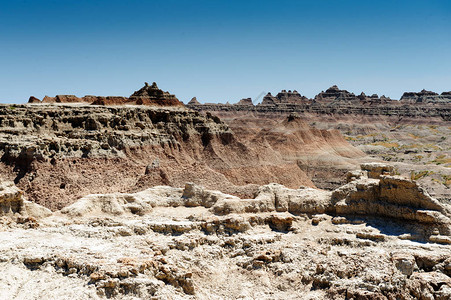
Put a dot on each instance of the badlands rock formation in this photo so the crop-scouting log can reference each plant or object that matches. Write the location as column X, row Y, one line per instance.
column 147, row 95
column 284, row 97
column 411, row 133
column 58, row 153
column 157, row 201
column 426, row 97
column 337, row 102
column 374, row 238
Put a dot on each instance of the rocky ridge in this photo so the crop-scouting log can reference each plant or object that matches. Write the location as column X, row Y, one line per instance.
column 147, row 95
column 284, row 97
column 335, row 101
column 425, row 97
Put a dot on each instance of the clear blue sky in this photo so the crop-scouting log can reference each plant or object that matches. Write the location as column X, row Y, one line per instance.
column 223, row 50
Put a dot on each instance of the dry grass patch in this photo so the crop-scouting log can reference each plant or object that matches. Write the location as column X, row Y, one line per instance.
column 441, row 160
column 386, row 144
column 421, row 174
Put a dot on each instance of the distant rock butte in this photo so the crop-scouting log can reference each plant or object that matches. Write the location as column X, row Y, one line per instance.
column 335, row 96
column 335, row 101
column 34, row 100
column 245, row 101
column 284, row 97
column 152, row 95
column 425, row 97
column 147, row 95
column 193, row 101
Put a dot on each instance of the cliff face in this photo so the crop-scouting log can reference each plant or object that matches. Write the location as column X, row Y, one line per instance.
column 57, row 153
column 396, row 110
column 385, row 129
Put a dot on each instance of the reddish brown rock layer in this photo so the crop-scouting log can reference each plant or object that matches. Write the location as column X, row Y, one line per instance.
column 34, row 100
column 59, row 153
column 148, row 95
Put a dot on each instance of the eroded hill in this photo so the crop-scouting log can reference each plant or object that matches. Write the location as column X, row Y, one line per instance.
column 58, row 153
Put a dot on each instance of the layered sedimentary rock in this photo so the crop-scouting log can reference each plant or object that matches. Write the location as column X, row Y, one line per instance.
column 108, row 100
column 425, row 97
column 193, row 101
column 284, row 96
column 152, row 95
column 73, row 150
column 167, row 203
column 388, row 196
column 61, row 99
column 245, row 101
column 34, row 100
column 147, row 95
column 335, row 101
column 335, row 94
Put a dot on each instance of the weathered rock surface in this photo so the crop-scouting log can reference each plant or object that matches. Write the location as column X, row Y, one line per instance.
column 108, row 100
column 58, row 153
column 34, row 100
column 337, row 102
column 194, row 243
column 375, row 236
column 323, row 155
column 335, row 94
column 389, row 196
column 147, row 95
column 152, row 95
column 425, row 97
column 245, row 101
column 284, row 96
column 193, row 101
column 413, row 137
column 14, row 204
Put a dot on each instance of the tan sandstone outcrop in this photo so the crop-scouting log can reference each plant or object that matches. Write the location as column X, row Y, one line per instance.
column 390, row 196
column 12, row 203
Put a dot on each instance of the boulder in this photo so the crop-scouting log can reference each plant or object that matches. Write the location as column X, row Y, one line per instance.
column 375, row 170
